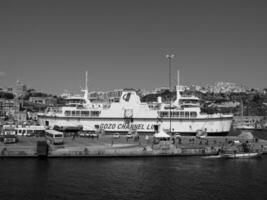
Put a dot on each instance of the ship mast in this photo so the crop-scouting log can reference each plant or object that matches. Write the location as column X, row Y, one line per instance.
column 178, row 79
column 86, row 80
column 178, row 87
column 170, row 57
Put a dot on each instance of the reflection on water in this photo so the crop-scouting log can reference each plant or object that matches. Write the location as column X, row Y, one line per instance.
column 143, row 178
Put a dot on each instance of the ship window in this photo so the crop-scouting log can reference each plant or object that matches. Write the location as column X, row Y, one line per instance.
column 78, row 113
column 193, row 114
column 94, row 113
column 164, row 114
column 181, row 114
column 79, row 106
column 73, row 113
column 175, row 114
column 85, row 113
column 186, row 114
column 67, row 113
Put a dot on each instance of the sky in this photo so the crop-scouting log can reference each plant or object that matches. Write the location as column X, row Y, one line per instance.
column 48, row 45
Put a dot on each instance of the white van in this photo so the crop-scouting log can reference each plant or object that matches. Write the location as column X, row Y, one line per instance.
column 54, row 137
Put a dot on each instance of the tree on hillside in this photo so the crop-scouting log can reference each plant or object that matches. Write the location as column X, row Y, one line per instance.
column 6, row 95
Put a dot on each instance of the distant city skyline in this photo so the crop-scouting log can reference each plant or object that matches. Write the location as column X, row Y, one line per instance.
column 49, row 45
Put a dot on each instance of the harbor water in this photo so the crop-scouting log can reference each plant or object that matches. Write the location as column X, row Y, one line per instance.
column 133, row 178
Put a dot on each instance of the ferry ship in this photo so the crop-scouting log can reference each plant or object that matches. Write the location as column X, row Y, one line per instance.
column 183, row 116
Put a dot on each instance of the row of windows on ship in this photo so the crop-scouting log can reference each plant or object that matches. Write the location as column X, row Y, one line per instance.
column 162, row 114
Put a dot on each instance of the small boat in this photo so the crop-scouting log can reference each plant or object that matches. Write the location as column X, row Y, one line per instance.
column 213, row 156
column 242, row 155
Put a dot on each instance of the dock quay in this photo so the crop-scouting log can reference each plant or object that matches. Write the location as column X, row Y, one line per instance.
column 106, row 146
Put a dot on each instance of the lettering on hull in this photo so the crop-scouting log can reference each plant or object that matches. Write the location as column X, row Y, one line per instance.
column 124, row 126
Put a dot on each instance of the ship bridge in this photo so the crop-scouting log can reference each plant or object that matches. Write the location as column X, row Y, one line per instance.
column 129, row 106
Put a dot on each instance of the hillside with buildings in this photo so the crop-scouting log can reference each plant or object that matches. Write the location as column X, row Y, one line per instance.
column 21, row 103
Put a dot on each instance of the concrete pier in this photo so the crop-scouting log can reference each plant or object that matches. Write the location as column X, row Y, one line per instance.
column 106, row 146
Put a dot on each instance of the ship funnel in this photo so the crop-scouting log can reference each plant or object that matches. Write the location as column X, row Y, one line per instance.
column 159, row 99
column 86, row 86
column 178, row 87
column 86, row 93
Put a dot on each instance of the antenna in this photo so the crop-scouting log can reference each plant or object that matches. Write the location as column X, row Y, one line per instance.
column 178, row 79
column 86, row 80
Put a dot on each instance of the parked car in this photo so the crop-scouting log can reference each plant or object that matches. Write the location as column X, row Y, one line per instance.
column 129, row 135
column 89, row 134
column 81, row 134
column 9, row 139
column 177, row 135
column 116, row 135
column 93, row 135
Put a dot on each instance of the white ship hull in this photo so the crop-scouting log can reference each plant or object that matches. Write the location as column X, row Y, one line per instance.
column 132, row 114
column 213, row 126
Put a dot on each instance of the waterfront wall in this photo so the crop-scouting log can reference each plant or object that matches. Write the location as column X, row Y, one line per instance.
column 113, row 151
column 107, row 146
